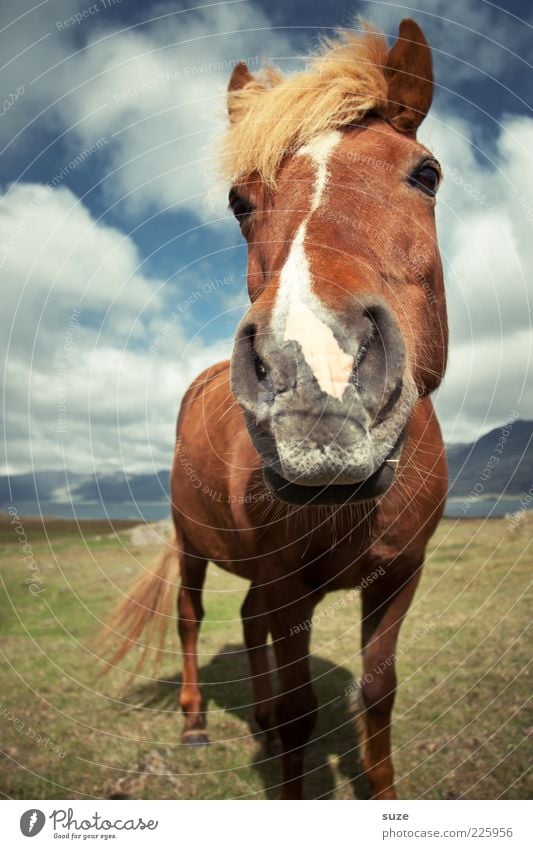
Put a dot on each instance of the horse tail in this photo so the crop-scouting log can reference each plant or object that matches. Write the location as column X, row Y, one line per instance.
column 148, row 609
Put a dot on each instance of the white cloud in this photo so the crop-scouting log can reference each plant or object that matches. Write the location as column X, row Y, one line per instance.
column 121, row 409
column 471, row 41
column 78, row 319
column 29, row 46
column 156, row 92
column 50, row 240
column 487, row 381
column 56, row 258
column 486, row 234
column 159, row 96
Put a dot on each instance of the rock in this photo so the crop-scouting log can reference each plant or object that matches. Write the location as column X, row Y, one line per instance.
column 155, row 533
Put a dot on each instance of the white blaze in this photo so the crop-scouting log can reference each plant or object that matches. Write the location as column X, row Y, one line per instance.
column 330, row 365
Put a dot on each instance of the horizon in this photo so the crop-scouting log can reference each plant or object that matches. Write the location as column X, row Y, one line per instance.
column 144, row 497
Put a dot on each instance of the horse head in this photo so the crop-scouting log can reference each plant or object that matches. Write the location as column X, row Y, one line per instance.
column 347, row 324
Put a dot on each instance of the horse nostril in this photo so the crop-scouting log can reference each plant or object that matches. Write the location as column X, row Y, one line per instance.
column 261, row 371
column 363, row 351
column 360, row 358
column 372, row 332
column 372, row 315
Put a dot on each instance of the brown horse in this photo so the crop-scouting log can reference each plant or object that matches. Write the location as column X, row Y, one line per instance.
column 313, row 461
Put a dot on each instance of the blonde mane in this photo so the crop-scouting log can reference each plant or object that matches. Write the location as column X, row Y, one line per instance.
column 274, row 114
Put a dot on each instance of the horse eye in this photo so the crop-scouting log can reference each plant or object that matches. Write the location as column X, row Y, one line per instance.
column 426, row 178
column 240, row 207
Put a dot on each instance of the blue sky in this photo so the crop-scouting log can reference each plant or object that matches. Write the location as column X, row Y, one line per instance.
column 123, row 272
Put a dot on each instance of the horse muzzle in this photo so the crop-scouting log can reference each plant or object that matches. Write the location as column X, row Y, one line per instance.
column 330, row 431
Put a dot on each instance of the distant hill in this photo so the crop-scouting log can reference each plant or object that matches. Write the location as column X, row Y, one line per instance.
column 98, row 495
column 145, row 496
column 510, row 472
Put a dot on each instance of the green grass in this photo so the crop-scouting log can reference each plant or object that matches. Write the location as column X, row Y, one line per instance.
column 462, row 720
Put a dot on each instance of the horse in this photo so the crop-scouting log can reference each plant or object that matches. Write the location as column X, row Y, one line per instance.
column 313, row 460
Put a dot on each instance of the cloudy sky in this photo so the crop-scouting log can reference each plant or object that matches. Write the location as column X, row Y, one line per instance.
column 123, row 272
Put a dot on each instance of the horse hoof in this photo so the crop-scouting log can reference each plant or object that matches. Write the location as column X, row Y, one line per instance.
column 195, row 738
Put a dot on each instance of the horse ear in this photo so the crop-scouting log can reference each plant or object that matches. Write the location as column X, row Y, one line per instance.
column 409, row 74
column 240, row 78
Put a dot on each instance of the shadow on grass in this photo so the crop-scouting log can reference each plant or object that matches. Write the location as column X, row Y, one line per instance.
column 226, row 686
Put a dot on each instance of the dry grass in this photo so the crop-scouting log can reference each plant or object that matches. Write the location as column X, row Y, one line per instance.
column 461, row 720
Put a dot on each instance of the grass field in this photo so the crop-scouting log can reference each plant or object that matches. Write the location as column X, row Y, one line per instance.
column 462, row 722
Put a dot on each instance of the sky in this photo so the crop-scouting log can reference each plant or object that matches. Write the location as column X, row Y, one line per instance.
column 123, row 273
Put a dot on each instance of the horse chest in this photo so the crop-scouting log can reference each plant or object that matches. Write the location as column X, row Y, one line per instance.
column 338, row 572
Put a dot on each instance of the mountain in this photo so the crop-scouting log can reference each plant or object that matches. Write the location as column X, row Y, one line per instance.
column 119, row 495
column 500, row 463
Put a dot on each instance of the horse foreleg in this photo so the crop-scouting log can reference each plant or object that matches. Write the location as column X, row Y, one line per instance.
column 190, row 615
column 296, row 704
column 384, row 609
column 255, row 627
